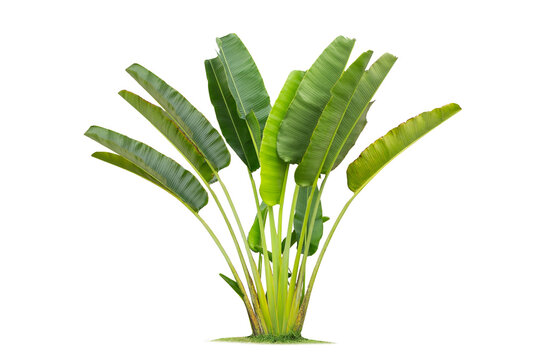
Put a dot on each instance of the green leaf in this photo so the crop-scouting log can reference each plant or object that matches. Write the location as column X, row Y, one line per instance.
column 312, row 96
column 234, row 129
column 351, row 140
column 233, row 284
column 377, row 155
column 350, row 98
column 161, row 120
column 300, row 213
column 273, row 169
column 254, row 130
column 188, row 119
column 254, row 236
column 126, row 165
column 172, row 177
column 244, row 79
column 294, row 239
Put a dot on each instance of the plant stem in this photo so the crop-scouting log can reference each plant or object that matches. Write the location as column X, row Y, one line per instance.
column 282, row 289
column 260, row 290
column 303, row 308
column 310, row 232
column 268, row 270
column 276, row 261
column 301, row 236
column 249, row 280
column 253, row 319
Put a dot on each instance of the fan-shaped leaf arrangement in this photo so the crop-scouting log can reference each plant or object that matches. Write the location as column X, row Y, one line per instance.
column 313, row 124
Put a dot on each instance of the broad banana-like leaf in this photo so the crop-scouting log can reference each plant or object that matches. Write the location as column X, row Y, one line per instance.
column 300, row 214
column 273, row 169
column 244, row 79
column 254, row 130
column 310, row 99
column 172, row 177
column 161, row 120
column 233, row 284
column 235, row 129
column 192, row 123
column 254, row 236
column 125, row 164
column 350, row 98
column 351, row 140
column 377, row 155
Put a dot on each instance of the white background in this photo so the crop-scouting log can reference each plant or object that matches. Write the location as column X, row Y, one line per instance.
column 438, row 258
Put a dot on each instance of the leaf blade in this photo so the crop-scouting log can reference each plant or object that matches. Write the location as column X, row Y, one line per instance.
column 350, row 98
column 254, row 235
column 161, row 121
column 273, row 169
column 351, row 140
column 377, row 155
column 300, row 214
column 164, row 170
column 233, row 284
column 125, row 164
column 234, row 129
column 244, row 79
column 312, row 96
column 194, row 125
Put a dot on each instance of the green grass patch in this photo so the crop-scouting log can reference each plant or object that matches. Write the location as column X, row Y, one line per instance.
column 272, row 339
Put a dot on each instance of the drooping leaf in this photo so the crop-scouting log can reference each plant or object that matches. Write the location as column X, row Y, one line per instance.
column 244, row 79
column 377, row 155
column 350, row 98
column 192, row 123
column 233, row 284
column 300, row 213
column 125, row 164
column 311, row 97
column 161, row 120
column 173, row 177
column 234, row 129
column 254, row 236
column 273, row 169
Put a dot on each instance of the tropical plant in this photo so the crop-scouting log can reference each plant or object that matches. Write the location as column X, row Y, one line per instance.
column 313, row 124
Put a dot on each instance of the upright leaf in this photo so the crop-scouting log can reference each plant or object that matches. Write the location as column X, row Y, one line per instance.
column 234, row 129
column 172, row 177
column 350, row 98
column 161, row 120
column 273, row 169
column 244, row 79
column 377, row 155
column 192, row 123
column 254, row 130
column 300, row 214
column 254, row 236
column 351, row 140
column 311, row 98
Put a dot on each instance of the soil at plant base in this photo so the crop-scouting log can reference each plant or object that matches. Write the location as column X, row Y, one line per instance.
column 271, row 339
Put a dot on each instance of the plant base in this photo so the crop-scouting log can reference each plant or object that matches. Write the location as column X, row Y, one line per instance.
column 272, row 339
